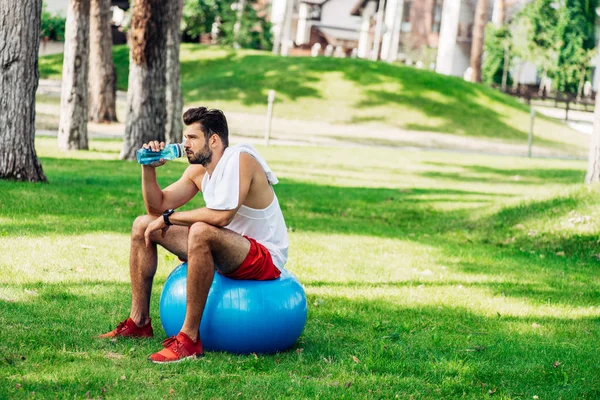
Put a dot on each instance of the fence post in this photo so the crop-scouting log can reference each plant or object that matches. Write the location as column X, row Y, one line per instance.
column 269, row 116
column 530, row 140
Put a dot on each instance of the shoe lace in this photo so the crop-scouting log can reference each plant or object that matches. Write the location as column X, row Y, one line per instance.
column 121, row 326
column 172, row 343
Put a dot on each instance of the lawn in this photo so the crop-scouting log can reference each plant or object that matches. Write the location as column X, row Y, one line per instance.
column 428, row 275
column 375, row 95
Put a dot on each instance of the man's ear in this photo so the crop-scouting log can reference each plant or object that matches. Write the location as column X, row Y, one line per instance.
column 214, row 139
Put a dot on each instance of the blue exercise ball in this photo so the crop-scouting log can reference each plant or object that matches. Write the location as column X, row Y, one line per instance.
column 240, row 316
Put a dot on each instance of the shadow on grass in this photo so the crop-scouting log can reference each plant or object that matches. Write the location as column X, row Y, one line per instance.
column 381, row 347
column 503, row 175
column 108, row 198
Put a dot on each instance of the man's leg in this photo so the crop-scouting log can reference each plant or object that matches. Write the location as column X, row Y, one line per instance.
column 143, row 262
column 206, row 246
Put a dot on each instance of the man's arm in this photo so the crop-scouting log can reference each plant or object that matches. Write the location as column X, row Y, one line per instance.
column 173, row 196
column 220, row 217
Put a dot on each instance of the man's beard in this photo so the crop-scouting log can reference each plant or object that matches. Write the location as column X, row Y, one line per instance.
column 202, row 157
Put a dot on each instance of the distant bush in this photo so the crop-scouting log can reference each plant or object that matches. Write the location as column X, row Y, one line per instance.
column 217, row 19
column 53, row 26
column 495, row 48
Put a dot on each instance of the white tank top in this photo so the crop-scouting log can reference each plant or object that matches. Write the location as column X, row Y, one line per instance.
column 267, row 227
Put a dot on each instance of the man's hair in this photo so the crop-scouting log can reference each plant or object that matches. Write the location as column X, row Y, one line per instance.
column 211, row 121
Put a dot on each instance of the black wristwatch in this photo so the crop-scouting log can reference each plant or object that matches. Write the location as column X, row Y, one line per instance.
column 166, row 216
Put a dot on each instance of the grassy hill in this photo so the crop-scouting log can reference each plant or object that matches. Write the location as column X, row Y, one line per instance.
column 350, row 91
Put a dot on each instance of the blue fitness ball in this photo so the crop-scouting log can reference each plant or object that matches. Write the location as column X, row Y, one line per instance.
column 240, row 316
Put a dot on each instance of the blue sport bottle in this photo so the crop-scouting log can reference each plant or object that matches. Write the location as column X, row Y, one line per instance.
column 170, row 152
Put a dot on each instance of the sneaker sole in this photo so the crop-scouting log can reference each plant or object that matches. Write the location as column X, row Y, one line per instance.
column 188, row 358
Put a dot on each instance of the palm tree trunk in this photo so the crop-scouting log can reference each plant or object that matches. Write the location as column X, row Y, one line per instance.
column 19, row 76
column 103, row 86
column 174, row 99
column 72, row 131
column 593, row 171
column 146, row 104
column 481, row 18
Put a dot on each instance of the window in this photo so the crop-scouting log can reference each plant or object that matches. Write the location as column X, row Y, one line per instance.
column 437, row 16
column 406, row 27
column 314, row 14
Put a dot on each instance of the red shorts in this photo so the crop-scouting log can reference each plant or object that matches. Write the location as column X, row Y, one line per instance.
column 257, row 266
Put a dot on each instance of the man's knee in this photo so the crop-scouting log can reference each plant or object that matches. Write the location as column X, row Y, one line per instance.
column 201, row 233
column 140, row 224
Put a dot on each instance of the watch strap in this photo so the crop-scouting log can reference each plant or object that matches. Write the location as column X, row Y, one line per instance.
column 166, row 216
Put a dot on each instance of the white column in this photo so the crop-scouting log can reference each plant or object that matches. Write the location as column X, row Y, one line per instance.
column 278, row 9
column 363, row 40
column 448, row 35
column 303, row 29
column 287, row 25
column 391, row 37
column 498, row 13
column 378, row 29
column 395, row 43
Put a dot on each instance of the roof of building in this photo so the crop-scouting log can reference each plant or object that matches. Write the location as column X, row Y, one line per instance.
column 360, row 6
column 315, row 2
column 332, row 32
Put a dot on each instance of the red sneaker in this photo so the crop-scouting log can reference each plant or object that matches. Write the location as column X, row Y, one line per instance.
column 128, row 328
column 178, row 348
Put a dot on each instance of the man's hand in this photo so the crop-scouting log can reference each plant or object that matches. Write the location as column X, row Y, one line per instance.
column 156, row 225
column 155, row 145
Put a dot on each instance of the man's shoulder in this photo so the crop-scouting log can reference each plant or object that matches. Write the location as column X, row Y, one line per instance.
column 247, row 160
column 194, row 171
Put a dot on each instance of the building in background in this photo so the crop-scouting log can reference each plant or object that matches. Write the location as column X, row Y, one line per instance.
column 298, row 25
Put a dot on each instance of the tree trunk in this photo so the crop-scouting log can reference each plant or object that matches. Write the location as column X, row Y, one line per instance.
column 542, row 83
column 72, row 131
column 581, row 82
column 481, row 17
column 103, row 88
column 146, row 106
column 593, row 171
column 517, row 79
column 506, row 63
column 174, row 98
column 20, row 40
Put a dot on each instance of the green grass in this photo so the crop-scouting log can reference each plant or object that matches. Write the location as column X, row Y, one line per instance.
column 350, row 91
column 428, row 275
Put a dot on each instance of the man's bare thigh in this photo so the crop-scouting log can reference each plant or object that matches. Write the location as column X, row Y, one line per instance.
column 229, row 249
column 175, row 240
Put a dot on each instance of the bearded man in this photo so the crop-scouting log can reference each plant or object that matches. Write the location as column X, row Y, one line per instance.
column 241, row 232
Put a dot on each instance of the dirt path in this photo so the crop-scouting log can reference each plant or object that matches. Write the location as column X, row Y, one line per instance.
column 251, row 128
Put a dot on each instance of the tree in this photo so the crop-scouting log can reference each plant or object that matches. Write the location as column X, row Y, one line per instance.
column 481, row 17
column 174, row 98
column 542, row 41
column 102, row 80
column 72, row 131
column 19, row 76
column 253, row 30
column 146, row 105
column 497, row 49
column 499, row 13
column 198, row 17
column 576, row 34
column 593, row 171
column 53, row 25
